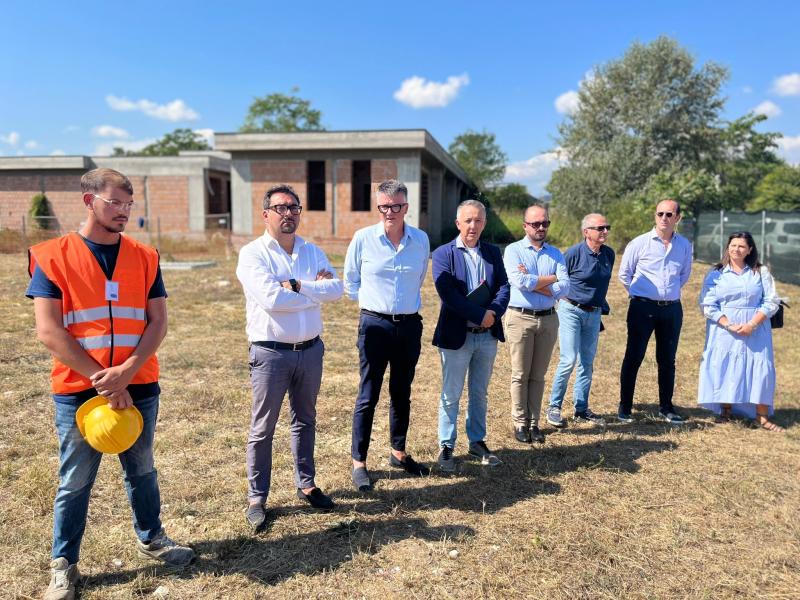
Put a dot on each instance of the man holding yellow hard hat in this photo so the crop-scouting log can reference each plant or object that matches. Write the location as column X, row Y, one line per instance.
column 100, row 308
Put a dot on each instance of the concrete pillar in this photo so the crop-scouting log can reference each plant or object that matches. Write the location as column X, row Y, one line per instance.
column 197, row 202
column 409, row 171
column 241, row 197
column 436, row 214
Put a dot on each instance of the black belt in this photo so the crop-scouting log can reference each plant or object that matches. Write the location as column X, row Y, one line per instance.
column 656, row 302
column 393, row 318
column 586, row 307
column 477, row 329
column 535, row 313
column 296, row 347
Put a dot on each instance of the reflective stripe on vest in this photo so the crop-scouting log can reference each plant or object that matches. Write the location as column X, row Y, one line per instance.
column 101, row 312
column 96, row 342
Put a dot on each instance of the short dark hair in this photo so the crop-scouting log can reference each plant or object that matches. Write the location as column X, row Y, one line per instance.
column 96, row 180
column 281, row 188
column 391, row 187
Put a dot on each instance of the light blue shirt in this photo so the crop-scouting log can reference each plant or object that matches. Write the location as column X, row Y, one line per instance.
column 383, row 278
column 652, row 270
column 547, row 261
column 476, row 270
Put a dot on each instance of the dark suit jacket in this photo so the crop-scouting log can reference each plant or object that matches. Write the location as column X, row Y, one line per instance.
column 450, row 278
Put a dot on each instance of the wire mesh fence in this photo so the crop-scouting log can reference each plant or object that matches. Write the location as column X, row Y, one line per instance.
column 777, row 237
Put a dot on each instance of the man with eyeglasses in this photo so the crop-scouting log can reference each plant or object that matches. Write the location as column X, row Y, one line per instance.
column 538, row 277
column 384, row 269
column 285, row 280
column 101, row 311
column 654, row 268
column 589, row 265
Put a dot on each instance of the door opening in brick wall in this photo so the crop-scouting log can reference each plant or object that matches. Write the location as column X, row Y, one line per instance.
column 315, row 185
column 362, row 185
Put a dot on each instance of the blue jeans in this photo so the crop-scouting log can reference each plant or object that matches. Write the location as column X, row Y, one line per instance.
column 577, row 340
column 79, row 464
column 476, row 356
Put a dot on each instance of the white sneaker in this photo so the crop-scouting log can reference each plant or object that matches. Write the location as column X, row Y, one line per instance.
column 480, row 450
column 63, row 579
column 164, row 549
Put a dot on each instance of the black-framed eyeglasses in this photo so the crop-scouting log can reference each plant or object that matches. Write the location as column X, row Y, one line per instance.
column 395, row 208
column 600, row 228
column 537, row 224
column 118, row 204
column 282, row 209
column 669, row 215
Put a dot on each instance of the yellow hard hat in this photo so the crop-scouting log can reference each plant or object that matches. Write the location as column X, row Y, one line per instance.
column 107, row 429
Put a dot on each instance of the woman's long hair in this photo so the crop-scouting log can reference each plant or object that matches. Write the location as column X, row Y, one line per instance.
column 751, row 260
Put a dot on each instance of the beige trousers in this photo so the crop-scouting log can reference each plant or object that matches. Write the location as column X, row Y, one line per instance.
column 530, row 341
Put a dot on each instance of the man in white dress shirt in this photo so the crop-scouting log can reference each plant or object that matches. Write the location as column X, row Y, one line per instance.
column 285, row 280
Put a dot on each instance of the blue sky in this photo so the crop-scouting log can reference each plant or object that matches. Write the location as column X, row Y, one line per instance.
column 81, row 77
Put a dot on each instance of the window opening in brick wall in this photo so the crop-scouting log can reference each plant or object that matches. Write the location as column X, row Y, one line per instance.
column 423, row 193
column 362, row 185
column 316, row 185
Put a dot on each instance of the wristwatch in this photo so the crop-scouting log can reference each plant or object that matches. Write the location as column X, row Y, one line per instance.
column 293, row 283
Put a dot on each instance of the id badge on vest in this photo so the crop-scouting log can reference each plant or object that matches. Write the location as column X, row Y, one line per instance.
column 112, row 291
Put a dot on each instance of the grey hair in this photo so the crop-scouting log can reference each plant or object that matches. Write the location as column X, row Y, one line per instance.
column 471, row 202
column 280, row 189
column 587, row 218
column 391, row 187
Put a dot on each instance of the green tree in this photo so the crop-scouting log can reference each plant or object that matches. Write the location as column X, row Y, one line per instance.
column 41, row 212
column 169, row 145
column 513, row 196
column 649, row 111
column 480, row 156
column 779, row 190
column 281, row 113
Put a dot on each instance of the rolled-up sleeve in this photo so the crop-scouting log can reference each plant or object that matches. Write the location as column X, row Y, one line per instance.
column 511, row 261
column 560, row 288
column 265, row 289
column 323, row 290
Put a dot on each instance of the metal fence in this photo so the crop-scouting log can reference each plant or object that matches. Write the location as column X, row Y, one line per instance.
column 777, row 237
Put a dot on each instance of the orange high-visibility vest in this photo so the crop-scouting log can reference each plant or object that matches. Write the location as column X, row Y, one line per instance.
column 108, row 330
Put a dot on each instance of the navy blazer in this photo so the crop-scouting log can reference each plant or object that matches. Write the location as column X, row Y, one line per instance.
column 450, row 278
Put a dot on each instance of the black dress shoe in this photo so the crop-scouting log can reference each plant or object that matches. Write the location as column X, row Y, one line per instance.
column 537, row 435
column 256, row 516
column 361, row 480
column 317, row 499
column 409, row 465
column 522, row 435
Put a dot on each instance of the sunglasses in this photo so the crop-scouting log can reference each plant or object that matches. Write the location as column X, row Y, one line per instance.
column 669, row 215
column 600, row 228
column 538, row 224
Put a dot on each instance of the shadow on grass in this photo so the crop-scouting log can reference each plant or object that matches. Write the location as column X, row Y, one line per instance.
column 786, row 417
column 522, row 476
column 269, row 561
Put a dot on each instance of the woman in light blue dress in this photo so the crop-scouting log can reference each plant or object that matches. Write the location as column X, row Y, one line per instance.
column 737, row 373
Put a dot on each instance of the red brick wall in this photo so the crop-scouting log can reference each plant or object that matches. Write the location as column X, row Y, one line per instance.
column 169, row 199
column 316, row 224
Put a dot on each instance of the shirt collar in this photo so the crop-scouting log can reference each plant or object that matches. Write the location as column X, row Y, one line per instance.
column 727, row 268
column 380, row 231
column 460, row 244
column 527, row 242
column 271, row 241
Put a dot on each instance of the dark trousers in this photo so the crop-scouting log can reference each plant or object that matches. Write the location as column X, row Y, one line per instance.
column 383, row 343
column 643, row 319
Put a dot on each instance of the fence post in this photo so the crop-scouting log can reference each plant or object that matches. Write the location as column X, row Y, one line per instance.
column 721, row 231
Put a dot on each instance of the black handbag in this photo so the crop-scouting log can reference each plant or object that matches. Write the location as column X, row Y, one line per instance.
column 776, row 320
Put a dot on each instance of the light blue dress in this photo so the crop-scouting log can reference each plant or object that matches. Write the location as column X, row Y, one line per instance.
column 736, row 369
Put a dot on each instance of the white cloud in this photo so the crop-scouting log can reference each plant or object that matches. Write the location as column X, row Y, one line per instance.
column 789, row 148
column 567, row 103
column 12, row 139
column 177, row 110
column 31, row 144
column 747, row 90
column 418, row 92
column 58, row 152
column 207, row 134
column 109, row 131
column 71, row 129
column 787, row 85
column 536, row 171
column 768, row 108
column 134, row 145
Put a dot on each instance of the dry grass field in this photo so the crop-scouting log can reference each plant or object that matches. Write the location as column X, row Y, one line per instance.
column 706, row 510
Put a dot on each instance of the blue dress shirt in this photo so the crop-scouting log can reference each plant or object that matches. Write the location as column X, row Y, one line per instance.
column 589, row 274
column 655, row 271
column 383, row 278
column 476, row 271
column 547, row 261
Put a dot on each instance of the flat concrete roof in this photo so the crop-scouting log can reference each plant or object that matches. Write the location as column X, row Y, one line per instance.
column 380, row 139
column 130, row 165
